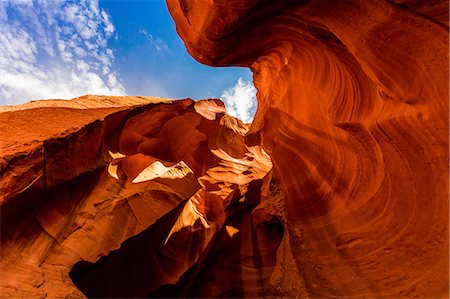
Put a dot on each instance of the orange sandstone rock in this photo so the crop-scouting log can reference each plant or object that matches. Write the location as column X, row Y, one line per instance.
column 160, row 172
column 145, row 197
column 353, row 109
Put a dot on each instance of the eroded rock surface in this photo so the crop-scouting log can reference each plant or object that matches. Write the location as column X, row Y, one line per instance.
column 339, row 188
column 353, row 109
column 174, row 174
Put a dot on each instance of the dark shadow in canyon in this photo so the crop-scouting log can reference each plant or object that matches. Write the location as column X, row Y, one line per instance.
column 186, row 266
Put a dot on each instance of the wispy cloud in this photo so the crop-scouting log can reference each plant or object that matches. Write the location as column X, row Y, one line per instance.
column 158, row 43
column 55, row 49
column 240, row 100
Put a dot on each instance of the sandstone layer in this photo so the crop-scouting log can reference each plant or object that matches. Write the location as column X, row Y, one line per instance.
column 353, row 110
column 131, row 197
column 338, row 189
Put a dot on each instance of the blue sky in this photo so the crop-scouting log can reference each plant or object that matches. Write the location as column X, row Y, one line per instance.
column 64, row 49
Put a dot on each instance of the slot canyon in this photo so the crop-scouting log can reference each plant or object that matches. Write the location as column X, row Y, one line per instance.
column 337, row 189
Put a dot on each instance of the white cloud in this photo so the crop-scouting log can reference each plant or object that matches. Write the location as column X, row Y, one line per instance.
column 240, row 100
column 55, row 49
column 158, row 43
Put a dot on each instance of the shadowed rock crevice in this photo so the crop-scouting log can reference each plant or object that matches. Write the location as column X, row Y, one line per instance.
column 136, row 215
column 146, row 267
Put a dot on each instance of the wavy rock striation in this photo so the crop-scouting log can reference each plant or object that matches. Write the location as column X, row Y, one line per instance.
column 339, row 188
column 130, row 197
column 58, row 205
column 353, row 109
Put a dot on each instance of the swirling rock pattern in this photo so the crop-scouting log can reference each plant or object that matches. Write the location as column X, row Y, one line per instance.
column 339, row 188
column 353, row 109
column 130, row 197
column 58, row 204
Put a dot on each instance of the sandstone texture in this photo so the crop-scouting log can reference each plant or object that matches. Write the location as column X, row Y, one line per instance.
column 353, row 110
column 128, row 197
column 338, row 189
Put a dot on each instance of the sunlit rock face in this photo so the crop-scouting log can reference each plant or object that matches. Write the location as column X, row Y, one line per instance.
column 339, row 188
column 126, row 196
column 353, row 110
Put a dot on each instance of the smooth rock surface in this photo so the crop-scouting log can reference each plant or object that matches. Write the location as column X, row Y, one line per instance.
column 353, row 110
column 132, row 196
column 338, row 189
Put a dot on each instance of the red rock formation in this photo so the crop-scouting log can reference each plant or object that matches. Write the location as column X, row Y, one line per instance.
column 353, row 109
column 81, row 181
column 57, row 205
column 136, row 197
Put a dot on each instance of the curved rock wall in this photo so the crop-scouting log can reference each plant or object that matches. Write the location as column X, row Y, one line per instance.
column 145, row 197
column 59, row 205
column 353, row 109
column 130, row 199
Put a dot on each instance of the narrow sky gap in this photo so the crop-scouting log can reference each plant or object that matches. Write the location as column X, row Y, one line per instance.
column 240, row 100
column 62, row 49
